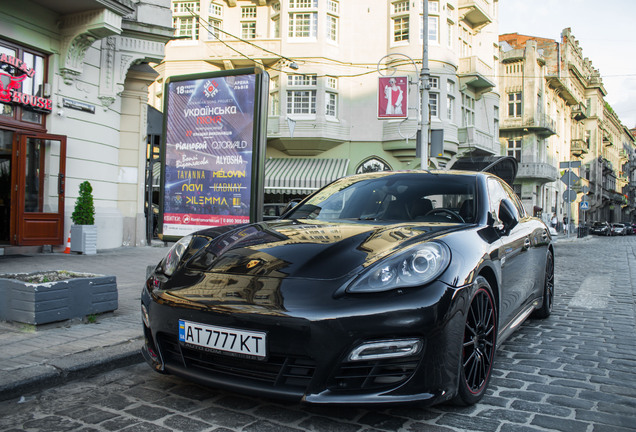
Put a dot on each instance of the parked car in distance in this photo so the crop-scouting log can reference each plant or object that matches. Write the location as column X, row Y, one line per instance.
column 618, row 229
column 600, row 228
column 629, row 229
column 273, row 211
column 385, row 287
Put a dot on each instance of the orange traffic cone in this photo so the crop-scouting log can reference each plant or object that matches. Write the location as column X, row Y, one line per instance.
column 68, row 244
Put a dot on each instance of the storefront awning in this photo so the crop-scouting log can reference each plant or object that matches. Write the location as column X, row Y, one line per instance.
column 302, row 176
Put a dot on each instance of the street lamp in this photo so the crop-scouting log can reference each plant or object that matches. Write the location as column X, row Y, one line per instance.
column 425, row 74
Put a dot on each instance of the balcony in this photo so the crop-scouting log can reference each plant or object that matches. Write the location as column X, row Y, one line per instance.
column 538, row 171
column 579, row 147
column 237, row 54
column 579, row 112
column 474, row 73
column 475, row 139
column 475, row 13
column 539, row 124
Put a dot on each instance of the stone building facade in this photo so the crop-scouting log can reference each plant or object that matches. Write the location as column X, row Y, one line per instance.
column 326, row 110
column 86, row 64
column 557, row 113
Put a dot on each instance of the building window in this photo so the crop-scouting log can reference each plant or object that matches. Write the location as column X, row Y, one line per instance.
column 184, row 22
column 248, row 12
column 33, row 85
column 275, row 21
column 248, row 30
column 303, row 25
column 514, row 104
column 465, row 42
column 274, row 96
column 433, row 83
column 468, row 110
column 333, row 7
column 332, row 83
column 331, row 105
column 274, row 104
column 301, row 94
column 450, row 107
column 332, row 28
column 303, row 4
column 433, row 103
column 215, row 21
column 215, row 10
column 400, row 6
column 514, row 149
column 449, row 31
column 496, row 120
column 400, row 29
column 433, row 22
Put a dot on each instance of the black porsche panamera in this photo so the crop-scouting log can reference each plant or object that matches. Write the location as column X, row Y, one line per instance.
column 379, row 288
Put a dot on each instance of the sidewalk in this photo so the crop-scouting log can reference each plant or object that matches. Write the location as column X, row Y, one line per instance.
column 33, row 357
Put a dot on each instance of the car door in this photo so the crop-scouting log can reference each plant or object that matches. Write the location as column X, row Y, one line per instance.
column 513, row 253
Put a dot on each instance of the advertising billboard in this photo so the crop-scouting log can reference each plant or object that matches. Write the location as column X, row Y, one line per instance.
column 213, row 150
column 393, row 97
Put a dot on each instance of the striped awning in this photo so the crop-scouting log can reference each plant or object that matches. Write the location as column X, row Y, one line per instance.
column 302, row 176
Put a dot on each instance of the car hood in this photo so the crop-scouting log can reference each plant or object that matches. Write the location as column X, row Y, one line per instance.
column 308, row 249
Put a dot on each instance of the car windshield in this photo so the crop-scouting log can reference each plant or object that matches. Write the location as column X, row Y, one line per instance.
column 394, row 197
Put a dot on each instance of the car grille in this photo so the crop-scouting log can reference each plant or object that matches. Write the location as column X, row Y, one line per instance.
column 277, row 371
column 373, row 375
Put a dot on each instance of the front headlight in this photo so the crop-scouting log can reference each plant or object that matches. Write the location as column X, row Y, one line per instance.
column 415, row 266
column 172, row 259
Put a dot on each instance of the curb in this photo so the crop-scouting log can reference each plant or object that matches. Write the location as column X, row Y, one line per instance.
column 75, row 366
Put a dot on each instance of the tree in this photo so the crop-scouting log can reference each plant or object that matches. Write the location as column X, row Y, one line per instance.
column 84, row 212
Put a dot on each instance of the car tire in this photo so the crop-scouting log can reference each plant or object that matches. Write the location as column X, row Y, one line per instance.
column 479, row 343
column 548, row 290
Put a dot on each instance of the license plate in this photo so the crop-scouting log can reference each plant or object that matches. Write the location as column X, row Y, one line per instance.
column 223, row 339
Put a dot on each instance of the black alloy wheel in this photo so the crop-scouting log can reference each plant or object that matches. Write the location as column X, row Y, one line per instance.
column 479, row 344
column 548, row 289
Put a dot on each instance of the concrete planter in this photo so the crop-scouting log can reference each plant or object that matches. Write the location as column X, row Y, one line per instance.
column 47, row 302
column 84, row 239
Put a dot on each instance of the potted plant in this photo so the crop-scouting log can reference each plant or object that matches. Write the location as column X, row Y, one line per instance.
column 84, row 230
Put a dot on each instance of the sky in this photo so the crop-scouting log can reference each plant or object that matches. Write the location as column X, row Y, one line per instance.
column 605, row 31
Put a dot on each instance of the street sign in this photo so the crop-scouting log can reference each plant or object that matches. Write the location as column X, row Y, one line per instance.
column 570, row 164
column 569, row 196
column 585, row 189
column 569, row 178
column 585, row 206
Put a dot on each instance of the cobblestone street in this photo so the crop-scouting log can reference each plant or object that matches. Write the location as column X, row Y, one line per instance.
column 574, row 372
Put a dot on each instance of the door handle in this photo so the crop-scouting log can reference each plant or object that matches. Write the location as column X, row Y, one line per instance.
column 60, row 184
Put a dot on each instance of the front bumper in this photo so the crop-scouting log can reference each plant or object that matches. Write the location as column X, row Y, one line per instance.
column 309, row 344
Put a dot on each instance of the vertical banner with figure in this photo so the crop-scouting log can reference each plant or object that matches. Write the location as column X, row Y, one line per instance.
column 213, row 150
column 393, row 97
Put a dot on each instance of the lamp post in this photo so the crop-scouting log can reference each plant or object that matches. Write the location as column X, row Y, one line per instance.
column 425, row 74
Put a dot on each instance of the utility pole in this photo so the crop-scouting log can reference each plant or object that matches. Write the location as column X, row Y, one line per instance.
column 424, row 86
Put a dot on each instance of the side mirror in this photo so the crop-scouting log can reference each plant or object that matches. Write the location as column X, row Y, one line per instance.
column 290, row 205
column 508, row 215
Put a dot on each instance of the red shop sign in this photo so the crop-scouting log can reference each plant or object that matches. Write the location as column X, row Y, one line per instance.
column 9, row 86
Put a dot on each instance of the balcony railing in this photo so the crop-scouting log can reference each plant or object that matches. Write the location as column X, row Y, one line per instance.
column 471, row 137
column 579, row 147
column 541, row 124
column 537, row 171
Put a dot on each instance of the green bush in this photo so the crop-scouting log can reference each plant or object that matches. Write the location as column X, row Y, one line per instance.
column 84, row 213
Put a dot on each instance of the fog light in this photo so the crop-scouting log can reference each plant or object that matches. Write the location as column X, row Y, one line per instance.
column 386, row 349
column 144, row 316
